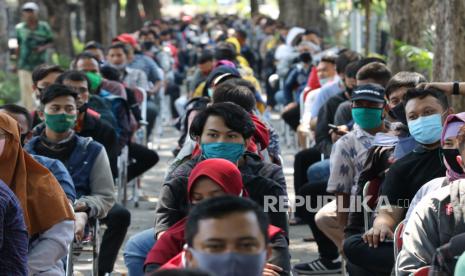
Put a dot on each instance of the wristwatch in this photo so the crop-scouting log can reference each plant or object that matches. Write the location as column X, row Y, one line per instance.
column 455, row 88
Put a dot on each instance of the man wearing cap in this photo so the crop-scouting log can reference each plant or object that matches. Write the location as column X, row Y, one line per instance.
column 347, row 158
column 34, row 37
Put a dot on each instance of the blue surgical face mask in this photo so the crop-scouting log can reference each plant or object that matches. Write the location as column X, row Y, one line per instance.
column 324, row 81
column 426, row 129
column 228, row 151
column 230, row 264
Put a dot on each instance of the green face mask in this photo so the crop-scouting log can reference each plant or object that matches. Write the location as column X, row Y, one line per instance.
column 95, row 80
column 367, row 118
column 60, row 122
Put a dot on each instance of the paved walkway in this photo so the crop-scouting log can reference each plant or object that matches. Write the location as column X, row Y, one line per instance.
column 143, row 216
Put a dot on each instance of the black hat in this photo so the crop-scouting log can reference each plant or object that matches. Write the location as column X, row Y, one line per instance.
column 369, row 92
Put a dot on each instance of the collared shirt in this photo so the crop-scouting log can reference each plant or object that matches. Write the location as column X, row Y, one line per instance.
column 326, row 91
column 347, row 159
column 13, row 234
column 148, row 66
column 135, row 78
column 29, row 40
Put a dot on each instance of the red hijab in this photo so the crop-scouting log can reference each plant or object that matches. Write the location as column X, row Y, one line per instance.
column 221, row 171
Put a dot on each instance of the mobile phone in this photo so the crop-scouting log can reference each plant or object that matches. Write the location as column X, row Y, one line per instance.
column 333, row 127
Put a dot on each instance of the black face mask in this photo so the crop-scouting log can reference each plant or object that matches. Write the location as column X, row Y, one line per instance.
column 147, row 45
column 305, row 57
column 83, row 108
column 451, row 158
column 398, row 113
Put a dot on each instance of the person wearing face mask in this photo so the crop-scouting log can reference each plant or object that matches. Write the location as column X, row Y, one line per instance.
column 117, row 57
column 216, row 232
column 50, row 230
column 89, row 122
column 88, row 164
column 367, row 111
column 426, row 111
column 212, row 178
column 434, row 234
column 222, row 130
column 56, row 167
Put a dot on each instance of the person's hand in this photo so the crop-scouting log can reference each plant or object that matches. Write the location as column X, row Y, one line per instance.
column 80, row 225
column 80, row 207
column 444, row 86
column 289, row 106
column 377, row 234
column 271, row 270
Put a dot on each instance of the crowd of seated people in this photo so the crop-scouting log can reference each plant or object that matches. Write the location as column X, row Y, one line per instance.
column 368, row 132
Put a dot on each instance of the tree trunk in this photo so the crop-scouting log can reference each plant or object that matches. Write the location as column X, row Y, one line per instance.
column 303, row 13
column 367, row 5
column 254, row 9
column 101, row 23
column 407, row 20
column 152, row 9
column 92, row 19
column 133, row 18
column 108, row 22
column 449, row 60
column 58, row 14
column 3, row 37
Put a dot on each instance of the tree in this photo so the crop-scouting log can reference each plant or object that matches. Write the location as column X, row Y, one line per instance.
column 303, row 13
column 449, row 60
column 152, row 9
column 133, row 20
column 58, row 14
column 408, row 22
column 254, row 10
column 101, row 23
column 3, row 37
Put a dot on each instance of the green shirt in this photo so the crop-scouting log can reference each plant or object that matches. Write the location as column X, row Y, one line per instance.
column 28, row 41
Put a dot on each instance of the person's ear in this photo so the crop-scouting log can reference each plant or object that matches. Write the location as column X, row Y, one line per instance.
column 190, row 262
column 269, row 252
column 41, row 115
column 460, row 161
column 247, row 142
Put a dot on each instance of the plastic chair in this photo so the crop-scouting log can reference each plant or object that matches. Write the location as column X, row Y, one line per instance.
column 89, row 245
column 424, row 271
column 371, row 188
column 398, row 237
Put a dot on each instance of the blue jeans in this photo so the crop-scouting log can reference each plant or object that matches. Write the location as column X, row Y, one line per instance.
column 136, row 250
column 280, row 98
column 318, row 172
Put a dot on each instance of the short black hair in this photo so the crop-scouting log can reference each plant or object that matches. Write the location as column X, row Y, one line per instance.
column 225, row 50
column 242, row 33
column 234, row 116
column 17, row 109
column 205, row 57
column 352, row 69
column 344, row 58
column 312, row 31
column 73, row 75
column 119, row 45
column 84, row 55
column 219, row 207
column 376, row 71
column 93, row 45
column 404, row 80
column 42, row 71
column 329, row 59
column 56, row 90
column 110, row 73
column 238, row 91
column 421, row 93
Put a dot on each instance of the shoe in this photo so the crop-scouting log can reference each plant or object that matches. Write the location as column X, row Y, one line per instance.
column 319, row 267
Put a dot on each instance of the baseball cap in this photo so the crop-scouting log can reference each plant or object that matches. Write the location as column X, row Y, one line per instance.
column 30, row 6
column 369, row 92
column 127, row 39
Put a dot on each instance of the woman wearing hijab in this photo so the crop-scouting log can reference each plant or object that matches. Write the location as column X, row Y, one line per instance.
column 48, row 216
column 211, row 178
